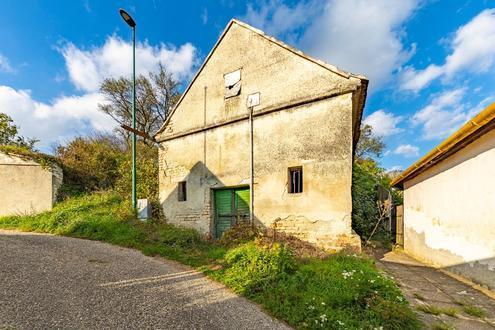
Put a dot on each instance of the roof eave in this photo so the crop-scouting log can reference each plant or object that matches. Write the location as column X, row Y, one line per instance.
column 440, row 152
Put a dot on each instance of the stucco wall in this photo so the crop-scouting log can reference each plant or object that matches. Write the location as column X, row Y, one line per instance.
column 449, row 212
column 278, row 74
column 317, row 137
column 26, row 187
column 317, row 134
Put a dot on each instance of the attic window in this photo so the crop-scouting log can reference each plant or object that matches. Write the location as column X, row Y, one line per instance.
column 232, row 83
column 295, row 180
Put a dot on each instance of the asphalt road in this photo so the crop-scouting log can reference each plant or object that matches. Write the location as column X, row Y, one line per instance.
column 58, row 282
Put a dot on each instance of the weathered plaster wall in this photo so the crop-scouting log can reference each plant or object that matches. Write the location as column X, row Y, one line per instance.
column 279, row 75
column 25, row 186
column 316, row 136
column 449, row 212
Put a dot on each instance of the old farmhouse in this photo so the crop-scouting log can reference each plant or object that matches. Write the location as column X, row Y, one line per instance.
column 449, row 202
column 266, row 128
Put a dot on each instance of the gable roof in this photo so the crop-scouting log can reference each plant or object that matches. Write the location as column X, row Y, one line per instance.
column 327, row 66
column 473, row 129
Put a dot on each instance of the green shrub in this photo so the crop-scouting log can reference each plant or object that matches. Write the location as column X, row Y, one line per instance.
column 339, row 292
column 367, row 177
column 146, row 173
column 251, row 268
column 89, row 164
column 104, row 162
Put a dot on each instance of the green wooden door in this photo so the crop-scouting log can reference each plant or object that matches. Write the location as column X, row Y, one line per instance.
column 231, row 206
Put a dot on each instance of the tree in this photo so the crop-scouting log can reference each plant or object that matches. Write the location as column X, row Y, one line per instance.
column 9, row 134
column 155, row 95
column 369, row 145
column 90, row 163
column 367, row 178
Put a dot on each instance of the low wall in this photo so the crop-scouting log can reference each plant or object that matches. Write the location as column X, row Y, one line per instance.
column 26, row 187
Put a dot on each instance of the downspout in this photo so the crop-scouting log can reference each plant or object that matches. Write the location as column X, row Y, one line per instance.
column 251, row 167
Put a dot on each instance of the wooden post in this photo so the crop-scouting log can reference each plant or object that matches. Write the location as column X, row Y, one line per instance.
column 399, row 229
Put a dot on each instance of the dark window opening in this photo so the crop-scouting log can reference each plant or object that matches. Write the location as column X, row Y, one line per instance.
column 182, row 191
column 295, row 180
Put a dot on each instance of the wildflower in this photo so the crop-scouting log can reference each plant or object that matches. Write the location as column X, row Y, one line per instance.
column 323, row 318
column 323, row 303
column 340, row 322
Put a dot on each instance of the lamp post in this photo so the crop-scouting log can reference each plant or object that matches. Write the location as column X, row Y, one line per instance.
column 128, row 19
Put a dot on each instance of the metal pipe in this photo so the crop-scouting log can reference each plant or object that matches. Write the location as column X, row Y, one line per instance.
column 251, row 167
column 134, row 199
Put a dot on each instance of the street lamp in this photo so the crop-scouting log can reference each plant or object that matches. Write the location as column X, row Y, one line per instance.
column 128, row 19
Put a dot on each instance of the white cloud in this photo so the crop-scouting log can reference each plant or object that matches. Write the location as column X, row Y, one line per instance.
column 58, row 121
column 443, row 115
column 383, row 123
column 407, row 150
column 5, row 65
column 204, row 16
column 67, row 116
column 357, row 35
column 88, row 68
column 472, row 51
column 276, row 18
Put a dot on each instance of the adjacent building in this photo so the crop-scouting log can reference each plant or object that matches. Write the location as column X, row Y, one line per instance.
column 27, row 186
column 449, row 202
column 266, row 128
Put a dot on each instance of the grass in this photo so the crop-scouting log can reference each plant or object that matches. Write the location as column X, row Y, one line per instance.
column 340, row 291
column 474, row 311
column 471, row 309
column 435, row 310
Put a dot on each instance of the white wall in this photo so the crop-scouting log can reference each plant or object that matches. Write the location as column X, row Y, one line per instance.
column 449, row 212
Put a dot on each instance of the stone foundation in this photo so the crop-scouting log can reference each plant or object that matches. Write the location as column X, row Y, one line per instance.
column 317, row 232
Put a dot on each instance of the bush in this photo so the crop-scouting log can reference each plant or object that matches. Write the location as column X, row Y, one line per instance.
column 241, row 232
column 340, row 292
column 89, row 164
column 104, row 162
column 367, row 177
column 252, row 268
column 146, row 175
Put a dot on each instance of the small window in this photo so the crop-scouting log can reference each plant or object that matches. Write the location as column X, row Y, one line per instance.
column 232, row 84
column 181, row 188
column 295, row 180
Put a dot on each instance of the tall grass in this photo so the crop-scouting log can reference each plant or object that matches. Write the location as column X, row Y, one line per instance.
column 340, row 291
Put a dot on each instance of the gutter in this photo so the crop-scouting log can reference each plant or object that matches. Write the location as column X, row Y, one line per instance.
column 473, row 126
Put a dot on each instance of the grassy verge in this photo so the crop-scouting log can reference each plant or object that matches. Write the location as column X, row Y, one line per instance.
column 340, row 291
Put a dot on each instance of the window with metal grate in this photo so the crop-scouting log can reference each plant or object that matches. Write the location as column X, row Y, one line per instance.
column 295, row 180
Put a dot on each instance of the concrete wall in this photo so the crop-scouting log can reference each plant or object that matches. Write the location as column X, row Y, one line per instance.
column 315, row 135
column 26, row 187
column 449, row 212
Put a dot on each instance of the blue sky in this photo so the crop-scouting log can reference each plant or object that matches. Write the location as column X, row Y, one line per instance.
column 430, row 63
